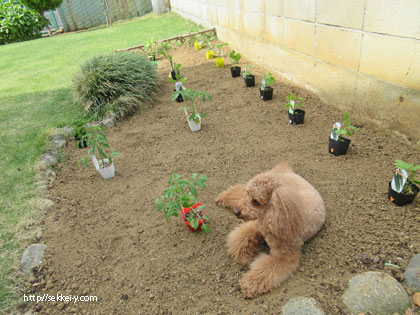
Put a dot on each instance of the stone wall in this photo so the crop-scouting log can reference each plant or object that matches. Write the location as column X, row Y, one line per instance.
column 359, row 55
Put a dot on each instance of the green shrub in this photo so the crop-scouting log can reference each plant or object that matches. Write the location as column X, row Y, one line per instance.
column 120, row 83
column 18, row 23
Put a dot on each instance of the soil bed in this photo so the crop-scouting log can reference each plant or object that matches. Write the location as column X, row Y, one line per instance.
column 106, row 239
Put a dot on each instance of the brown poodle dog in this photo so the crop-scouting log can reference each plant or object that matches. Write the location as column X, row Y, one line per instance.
column 280, row 208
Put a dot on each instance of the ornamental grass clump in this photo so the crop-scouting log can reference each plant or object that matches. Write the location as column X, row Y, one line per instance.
column 119, row 83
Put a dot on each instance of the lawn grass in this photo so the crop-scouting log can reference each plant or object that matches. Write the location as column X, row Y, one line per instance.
column 35, row 95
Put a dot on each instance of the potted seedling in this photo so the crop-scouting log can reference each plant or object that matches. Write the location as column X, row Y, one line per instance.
column 402, row 189
column 220, row 61
column 80, row 132
column 338, row 145
column 164, row 50
column 181, row 197
column 210, row 49
column 193, row 118
column 296, row 116
column 98, row 142
column 249, row 78
column 234, row 58
column 198, row 43
column 266, row 91
column 178, row 82
column 149, row 46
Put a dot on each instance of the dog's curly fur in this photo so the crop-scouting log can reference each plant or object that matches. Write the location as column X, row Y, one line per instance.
column 280, row 208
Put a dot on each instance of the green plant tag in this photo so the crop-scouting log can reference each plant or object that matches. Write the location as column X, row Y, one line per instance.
column 399, row 180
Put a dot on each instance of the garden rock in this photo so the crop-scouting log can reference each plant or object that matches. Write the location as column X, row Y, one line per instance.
column 109, row 122
column 412, row 274
column 46, row 178
column 58, row 142
column 32, row 257
column 66, row 131
column 377, row 293
column 301, row 306
column 45, row 204
column 49, row 159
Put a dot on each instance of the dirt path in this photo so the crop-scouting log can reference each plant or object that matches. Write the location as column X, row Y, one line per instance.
column 105, row 238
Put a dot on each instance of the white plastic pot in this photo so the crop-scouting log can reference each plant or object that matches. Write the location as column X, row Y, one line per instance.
column 106, row 172
column 193, row 126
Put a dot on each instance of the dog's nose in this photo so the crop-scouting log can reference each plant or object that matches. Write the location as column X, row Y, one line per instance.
column 237, row 212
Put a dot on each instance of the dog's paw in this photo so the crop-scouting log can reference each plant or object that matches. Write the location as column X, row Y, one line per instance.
column 251, row 288
column 256, row 282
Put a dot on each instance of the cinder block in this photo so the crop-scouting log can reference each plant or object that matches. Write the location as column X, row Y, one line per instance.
column 341, row 12
column 203, row 11
column 235, row 19
column 338, row 46
column 300, row 9
column 274, row 29
column 222, row 15
column 253, row 5
column 233, row 38
column 300, row 36
column 274, row 7
column 391, row 59
column 212, row 14
column 401, row 18
column 253, row 23
column 235, row 4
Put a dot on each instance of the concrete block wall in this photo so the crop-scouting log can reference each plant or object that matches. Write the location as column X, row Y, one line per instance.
column 360, row 55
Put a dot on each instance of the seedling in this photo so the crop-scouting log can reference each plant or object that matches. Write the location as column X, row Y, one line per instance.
column 178, row 79
column 164, row 51
column 267, row 80
column 98, row 142
column 79, row 131
column 404, row 180
column 193, row 96
column 247, row 70
column 182, row 193
column 234, row 57
column 347, row 128
column 149, row 47
column 294, row 102
column 220, row 50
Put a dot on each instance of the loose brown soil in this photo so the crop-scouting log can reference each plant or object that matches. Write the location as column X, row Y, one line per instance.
column 106, row 239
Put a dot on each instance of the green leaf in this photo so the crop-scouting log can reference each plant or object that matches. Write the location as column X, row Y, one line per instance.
column 205, row 228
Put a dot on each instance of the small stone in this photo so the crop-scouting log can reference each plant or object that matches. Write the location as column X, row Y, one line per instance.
column 45, row 204
column 66, row 131
column 412, row 274
column 32, row 257
column 151, row 296
column 377, row 293
column 48, row 159
column 301, row 306
column 58, row 142
column 416, row 299
column 108, row 122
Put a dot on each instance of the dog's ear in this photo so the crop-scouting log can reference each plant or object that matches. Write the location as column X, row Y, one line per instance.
column 260, row 189
column 284, row 218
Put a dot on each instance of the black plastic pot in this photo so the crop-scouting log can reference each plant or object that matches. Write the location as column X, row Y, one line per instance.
column 173, row 74
column 236, row 71
column 80, row 144
column 267, row 93
column 401, row 199
column 338, row 147
column 179, row 99
column 297, row 117
column 249, row 80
